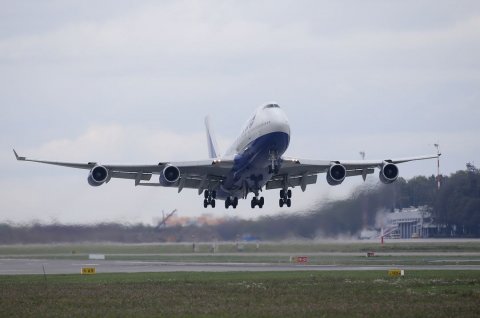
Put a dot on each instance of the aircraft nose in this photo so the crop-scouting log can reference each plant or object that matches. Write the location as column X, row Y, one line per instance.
column 281, row 122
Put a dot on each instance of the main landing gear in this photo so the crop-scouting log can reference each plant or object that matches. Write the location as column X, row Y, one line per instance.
column 285, row 198
column 257, row 201
column 231, row 201
column 209, row 198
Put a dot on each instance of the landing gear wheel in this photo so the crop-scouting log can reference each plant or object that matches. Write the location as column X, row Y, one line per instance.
column 235, row 202
column 209, row 198
column 257, row 202
column 261, row 202
column 231, row 201
column 285, row 195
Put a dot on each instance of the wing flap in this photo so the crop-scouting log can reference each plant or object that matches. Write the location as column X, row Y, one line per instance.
column 189, row 182
column 131, row 175
column 303, row 181
column 360, row 172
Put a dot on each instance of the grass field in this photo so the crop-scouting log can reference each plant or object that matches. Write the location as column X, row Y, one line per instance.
column 231, row 247
column 323, row 253
column 286, row 294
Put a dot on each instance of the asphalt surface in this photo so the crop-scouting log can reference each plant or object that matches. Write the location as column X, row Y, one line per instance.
column 36, row 266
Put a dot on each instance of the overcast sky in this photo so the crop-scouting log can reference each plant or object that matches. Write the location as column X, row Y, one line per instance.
column 130, row 82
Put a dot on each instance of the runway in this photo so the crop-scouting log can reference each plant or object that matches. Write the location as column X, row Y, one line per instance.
column 37, row 266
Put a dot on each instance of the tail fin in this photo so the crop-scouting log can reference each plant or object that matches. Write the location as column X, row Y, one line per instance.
column 211, row 141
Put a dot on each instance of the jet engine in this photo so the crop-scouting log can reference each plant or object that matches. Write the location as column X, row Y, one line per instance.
column 169, row 176
column 98, row 175
column 336, row 174
column 388, row 173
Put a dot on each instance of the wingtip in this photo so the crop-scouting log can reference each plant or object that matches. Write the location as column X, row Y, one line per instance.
column 17, row 156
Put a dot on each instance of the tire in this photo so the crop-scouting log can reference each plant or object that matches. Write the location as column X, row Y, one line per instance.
column 206, row 194
column 289, row 203
column 289, row 193
column 262, row 201
column 280, row 203
column 205, row 203
column 213, row 203
column 282, row 193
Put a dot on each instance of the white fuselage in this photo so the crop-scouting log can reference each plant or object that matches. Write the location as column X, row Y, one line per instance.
column 263, row 122
column 262, row 142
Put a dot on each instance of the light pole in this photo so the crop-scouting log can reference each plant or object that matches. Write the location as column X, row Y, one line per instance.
column 438, row 165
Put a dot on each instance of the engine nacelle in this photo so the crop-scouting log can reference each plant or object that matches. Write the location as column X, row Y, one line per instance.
column 388, row 173
column 336, row 174
column 169, row 176
column 98, row 175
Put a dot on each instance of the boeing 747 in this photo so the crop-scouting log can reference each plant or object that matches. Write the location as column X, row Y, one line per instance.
column 254, row 162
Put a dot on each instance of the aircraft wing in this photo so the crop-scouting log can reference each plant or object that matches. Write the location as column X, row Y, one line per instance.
column 302, row 172
column 199, row 175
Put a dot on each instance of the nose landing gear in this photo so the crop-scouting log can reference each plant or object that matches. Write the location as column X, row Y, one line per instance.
column 274, row 167
column 285, row 198
column 209, row 198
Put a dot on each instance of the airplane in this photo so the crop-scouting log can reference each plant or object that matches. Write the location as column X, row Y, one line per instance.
column 254, row 162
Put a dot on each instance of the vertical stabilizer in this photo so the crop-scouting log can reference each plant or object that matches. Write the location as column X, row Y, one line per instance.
column 211, row 141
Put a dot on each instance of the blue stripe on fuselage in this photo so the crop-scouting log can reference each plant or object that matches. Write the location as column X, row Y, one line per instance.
column 252, row 164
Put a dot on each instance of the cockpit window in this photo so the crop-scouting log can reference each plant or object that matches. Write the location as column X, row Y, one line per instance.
column 271, row 106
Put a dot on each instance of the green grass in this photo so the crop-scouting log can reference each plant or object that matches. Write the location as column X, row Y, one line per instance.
column 267, row 247
column 286, row 294
column 278, row 253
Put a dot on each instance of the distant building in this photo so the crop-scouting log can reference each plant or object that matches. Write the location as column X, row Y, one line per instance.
column 410, row 223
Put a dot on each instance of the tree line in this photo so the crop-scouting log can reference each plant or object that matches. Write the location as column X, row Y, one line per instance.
column 455, row 206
